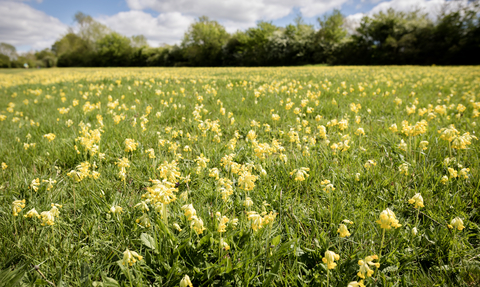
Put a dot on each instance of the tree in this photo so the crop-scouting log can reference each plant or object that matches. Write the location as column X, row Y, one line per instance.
column 113, row 50
column 9, row 51
column 203, row 42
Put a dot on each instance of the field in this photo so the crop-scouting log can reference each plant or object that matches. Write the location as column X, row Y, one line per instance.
column 320, row 176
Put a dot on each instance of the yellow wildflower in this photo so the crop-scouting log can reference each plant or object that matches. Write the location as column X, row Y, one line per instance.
column 17, row 206
column 185, row 282
column 343, row 230
column 417, row 199
column 50, row 137
column 388, row 220
column 457, row 223
column 330, row 258
column 130, row 257
column 130, row 145
column 365, row 266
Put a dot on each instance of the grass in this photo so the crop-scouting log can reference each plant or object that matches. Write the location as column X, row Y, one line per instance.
column 184, row 114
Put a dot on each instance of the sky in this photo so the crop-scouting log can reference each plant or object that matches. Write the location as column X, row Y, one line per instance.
column 37, row 24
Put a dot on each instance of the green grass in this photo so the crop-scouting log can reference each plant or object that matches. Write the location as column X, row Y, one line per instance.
column 85, row 245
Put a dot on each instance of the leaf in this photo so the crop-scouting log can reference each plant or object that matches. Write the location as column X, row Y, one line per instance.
column 276, row 240
column 272, row 273
column 147, row 240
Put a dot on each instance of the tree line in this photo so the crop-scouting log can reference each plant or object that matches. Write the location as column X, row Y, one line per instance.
column 385, row 38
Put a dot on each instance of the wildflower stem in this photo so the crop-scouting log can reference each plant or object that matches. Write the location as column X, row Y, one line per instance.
column 381, row 245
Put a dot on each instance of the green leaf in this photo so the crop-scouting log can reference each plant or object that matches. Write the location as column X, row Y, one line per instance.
column 148, row 241
column 276, row 240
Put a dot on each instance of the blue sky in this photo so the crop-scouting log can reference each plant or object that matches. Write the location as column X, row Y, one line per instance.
column 36, row 24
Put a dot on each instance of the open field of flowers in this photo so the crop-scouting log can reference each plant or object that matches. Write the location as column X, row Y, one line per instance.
column 321, row 176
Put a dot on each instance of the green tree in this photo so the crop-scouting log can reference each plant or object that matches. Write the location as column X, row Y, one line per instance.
column 203, row 42
column 113, row 50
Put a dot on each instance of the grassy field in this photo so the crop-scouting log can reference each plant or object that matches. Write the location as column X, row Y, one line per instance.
column 320, row 176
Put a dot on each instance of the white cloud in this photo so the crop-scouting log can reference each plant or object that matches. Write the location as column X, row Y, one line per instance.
column 166, row 28
column 236, row 14
column 22, row 25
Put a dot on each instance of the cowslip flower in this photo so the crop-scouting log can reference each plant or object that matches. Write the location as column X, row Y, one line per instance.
column 423, row 145
column 185, row 282
column 130, row 257
column 403, row 168
column 116, row 209
column 197, row 225
column 257, row 220
column 150, row 152
column 365, row 266
column 370, row 163
column 444, row 179
column 300, row 174
column 190, row 212
column 130, row 145
column 4, row 166
column 356, row 284
column 388, row 220
column 50, row 137
column 343, row 230
column 35, row 184
column 32, row 213
column 417, row 199
column 464, row 173
column 224, row 244
column 452, row 172
column 330, row 258
column 17, row 206
column 402, row 145
column 457, row 223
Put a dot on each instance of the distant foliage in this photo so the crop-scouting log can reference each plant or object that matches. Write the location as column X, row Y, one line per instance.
column 385, row 38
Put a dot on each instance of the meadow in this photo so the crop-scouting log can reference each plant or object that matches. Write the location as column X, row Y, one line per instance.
column 319, row 176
